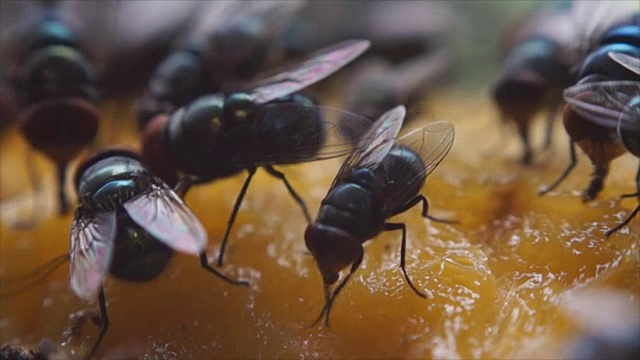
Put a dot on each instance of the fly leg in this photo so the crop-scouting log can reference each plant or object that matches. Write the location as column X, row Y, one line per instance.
column 527, row 155
column 204, row 262
column 425, row 210
column 633, row 213
column 36, row 186
column 296, row 197
column 551, row 116
column 183, row 185
column 403, row 248
column 597, row 181
column 567, row 171
column 63, row 204
column 403, row 228
column 104, row 323
column 234, row 213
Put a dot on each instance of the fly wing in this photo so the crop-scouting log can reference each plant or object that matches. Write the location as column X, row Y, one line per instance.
column 317, row 67
column 431, row 143
column 374, row 145
column 629, row 62
column 166, row 217
column 604, row 103
column 92, row 239
column 290, row 133
column 218, row 17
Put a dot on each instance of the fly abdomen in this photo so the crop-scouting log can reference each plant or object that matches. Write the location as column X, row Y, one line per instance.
column 137, row 256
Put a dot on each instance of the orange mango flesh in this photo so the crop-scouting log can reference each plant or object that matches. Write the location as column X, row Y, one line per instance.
column 494, row 281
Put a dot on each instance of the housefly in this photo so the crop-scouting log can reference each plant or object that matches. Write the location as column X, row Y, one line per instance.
column 228, row 42
column 382, row 178
column 128, row 224
column 57, row 97
column 535, row 69
column 379, row 85
column 604, row 121
column 220, row 135
column 599, row 116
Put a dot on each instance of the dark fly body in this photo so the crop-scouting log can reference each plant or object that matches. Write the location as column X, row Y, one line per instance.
column 57, row 94
column 601, row 114
column 535, row 69
column 382, row 178
column 378, row 85
column 128, row 224
column 603, row 119
column 229, row 42
column 220, row 135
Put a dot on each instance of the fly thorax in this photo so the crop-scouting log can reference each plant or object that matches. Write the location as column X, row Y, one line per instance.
column 238, row 110
column 352, row 209
column 193, row 130
column 110, row 182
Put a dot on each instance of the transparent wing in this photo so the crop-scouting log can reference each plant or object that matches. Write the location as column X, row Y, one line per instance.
column 431, row 143
column 219, row 17
column 166, row 217
column 92, row 239
column 628, row 61
column 302, row 74
column 374, row 145
column 604, row 103
column 289, row 133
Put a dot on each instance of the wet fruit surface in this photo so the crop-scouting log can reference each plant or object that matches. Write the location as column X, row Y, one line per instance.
column 495, row 281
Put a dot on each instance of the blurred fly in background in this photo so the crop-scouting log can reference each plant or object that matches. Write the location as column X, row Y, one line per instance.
column 56, row 88
column 58, row 59
column 601, row 114
column 411, row 50
column 227, row 43
column 536, row 66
